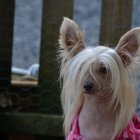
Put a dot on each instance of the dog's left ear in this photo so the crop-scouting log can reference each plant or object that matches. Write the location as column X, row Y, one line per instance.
column 71, row 37
column 129, row 45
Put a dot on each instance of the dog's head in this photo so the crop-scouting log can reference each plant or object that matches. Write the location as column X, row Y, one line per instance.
column 97, row 71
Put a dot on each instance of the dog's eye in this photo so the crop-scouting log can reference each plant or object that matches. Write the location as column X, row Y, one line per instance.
column 103, row 70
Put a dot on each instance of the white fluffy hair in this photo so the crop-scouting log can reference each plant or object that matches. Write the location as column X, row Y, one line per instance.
column 76, row 60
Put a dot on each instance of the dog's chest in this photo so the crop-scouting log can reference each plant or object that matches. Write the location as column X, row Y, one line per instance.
column 100, row 130
column 96, row 134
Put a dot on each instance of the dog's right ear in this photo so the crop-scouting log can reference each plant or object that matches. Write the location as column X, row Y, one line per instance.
column 71, row 37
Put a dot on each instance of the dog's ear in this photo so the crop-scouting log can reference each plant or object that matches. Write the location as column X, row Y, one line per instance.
column 129, row 45
column 71, row 37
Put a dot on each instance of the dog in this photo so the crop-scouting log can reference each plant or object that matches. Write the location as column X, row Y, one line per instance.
column 98, row 95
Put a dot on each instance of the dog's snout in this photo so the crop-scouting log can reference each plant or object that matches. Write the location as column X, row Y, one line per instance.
column 88, row 86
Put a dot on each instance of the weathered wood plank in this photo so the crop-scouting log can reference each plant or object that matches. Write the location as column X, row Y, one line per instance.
column 115, row 20
column 53, row 13
column 6, row 41
column 20, row 137
column 36, row 124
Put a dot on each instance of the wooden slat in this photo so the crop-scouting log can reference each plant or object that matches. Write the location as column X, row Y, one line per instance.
column 36, row 124
column 53, row 13
column 115, row 20
column 24, row 83
column 6, row 41
column 20, row 137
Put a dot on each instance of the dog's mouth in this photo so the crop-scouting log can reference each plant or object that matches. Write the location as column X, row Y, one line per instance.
column 91, row 89
column 88, row 92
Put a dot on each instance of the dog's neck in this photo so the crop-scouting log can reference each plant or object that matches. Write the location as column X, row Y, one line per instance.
column 97, row 108
column 97, row 117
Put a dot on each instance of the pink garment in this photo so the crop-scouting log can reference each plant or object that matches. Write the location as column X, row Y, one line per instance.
column 132, row 132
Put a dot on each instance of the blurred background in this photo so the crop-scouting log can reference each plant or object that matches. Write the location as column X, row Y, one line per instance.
column 29, row 29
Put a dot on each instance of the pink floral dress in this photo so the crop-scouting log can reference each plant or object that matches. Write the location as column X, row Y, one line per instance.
column 132, row 132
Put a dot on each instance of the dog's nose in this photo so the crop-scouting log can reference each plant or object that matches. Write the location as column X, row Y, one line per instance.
column 88, row 86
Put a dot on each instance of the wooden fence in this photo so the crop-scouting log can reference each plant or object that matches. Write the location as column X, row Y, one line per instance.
column 46, row 121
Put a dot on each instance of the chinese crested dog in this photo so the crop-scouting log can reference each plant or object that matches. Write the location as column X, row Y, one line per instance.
column 98, row 95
